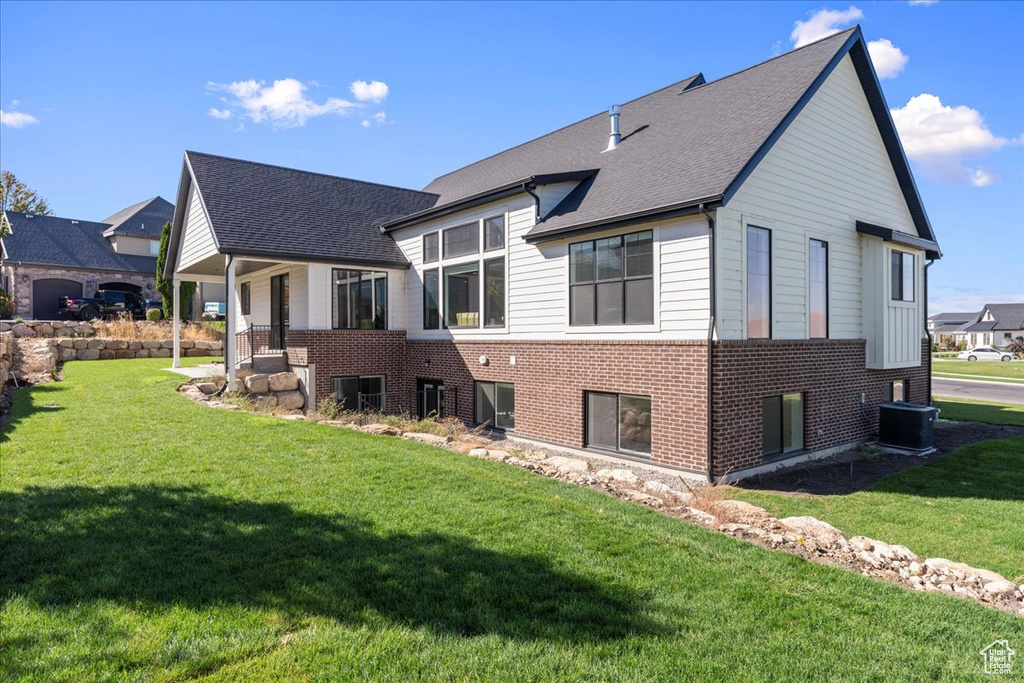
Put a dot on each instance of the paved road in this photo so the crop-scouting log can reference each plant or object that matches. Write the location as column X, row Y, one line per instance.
column 998, row 392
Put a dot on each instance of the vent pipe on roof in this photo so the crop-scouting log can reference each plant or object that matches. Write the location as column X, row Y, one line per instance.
column 614, row 137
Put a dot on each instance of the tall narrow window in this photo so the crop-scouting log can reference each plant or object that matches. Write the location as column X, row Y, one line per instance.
column 494, row 293
column 246, row 296
column 902, row 276
column 431, row 310
column 611, row 280
column 496, row 404
column 430, row 247
column 360, row 300
column 494, row 233
column 759, row 283
column 619, row 422
column 782, row 424
column 818, row 294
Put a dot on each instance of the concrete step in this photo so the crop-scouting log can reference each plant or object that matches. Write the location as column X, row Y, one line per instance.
column 269, row 363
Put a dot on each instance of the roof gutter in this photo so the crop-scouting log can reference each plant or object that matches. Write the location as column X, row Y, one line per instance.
column 711, row 341
column 690, row 208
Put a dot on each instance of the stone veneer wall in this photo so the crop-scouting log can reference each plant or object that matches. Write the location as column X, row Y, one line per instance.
column 23, row 290
column 830, row 373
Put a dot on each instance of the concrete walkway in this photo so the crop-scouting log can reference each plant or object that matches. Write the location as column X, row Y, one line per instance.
column 198, row 371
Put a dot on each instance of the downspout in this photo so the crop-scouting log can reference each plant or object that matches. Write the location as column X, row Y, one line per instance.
column 536, row 200
column 926, row 330
column 711, row 338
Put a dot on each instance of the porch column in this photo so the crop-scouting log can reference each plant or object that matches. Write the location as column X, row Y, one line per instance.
column 230, row 306
column 176, row 300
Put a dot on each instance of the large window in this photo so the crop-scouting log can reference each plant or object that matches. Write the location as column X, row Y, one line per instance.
column 818, row 293
column 246, row 296
column 782, row 425
column 359, row 393
column 360, row 299
column 902, row 280
column 462, row 240
column 430, row 248
column 431, row 308
column 759, row 283
column 496, row 404
column 611, row 280
column 462, row 295
column 467, row 292
column 619, row 422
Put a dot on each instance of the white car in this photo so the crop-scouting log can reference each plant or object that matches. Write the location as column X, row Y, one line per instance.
column 984, row 353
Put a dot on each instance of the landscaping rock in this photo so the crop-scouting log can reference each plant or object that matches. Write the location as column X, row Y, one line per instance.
column 741, row 511
column 117, row 344
column 44, row 330
column 283, row 381
column 134, row 345
column 265, row 401
column 432, row 439
column 563, row 464
column 617, row 475
column 702, row 517
column 66, row 343
column 202, row 344
column 160, row 353
column 89, row 354
column 68, row 354
column 998, row 587
column 290, row 400
column 80, row 343
column 658, row 488
column 478, row 452
column 257, row 384
column 124, row 353
column 193, row 353
column 814, row 529
column 499, row 454
column 152, row 344
column 106, row 354
column 216, row 345
column 381, row 430
column 142, row 353
column 207, row 388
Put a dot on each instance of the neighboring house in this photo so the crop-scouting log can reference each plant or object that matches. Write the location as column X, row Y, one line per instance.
column 997, row 325
column 733, row 282
column 945, row 327
column 45, row 258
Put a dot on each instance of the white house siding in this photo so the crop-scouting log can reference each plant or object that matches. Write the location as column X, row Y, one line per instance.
column 828, row 170
column 197, row 242
column 259, row 296
column 537, row 277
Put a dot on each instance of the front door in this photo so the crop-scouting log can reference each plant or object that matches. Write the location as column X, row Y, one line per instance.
column 278, row 311
column 429, row 398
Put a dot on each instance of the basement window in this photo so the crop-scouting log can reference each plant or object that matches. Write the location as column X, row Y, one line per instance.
column 899, row 391
column 496, row 404
column 782, row 424
column 359, row 393
column 619, row 422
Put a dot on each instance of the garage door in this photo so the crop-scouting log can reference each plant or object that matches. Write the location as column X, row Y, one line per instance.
column 47, row 292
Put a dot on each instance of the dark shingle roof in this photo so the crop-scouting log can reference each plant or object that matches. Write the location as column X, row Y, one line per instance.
column 259, row 209
column 51, row 241
column 687, row 143
column 1007, row 316
column 946, row 318
column 144, row 219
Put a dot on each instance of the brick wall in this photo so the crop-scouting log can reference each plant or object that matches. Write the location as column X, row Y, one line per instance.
column 830, row 373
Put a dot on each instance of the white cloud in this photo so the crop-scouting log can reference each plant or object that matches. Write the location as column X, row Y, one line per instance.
column 823, row 23
column 380, row 118
column 950, row 299
column 888, row 59
column 219, row 113
column 283, row 104
column 240, row 128
column 943, row 139
column 366, row 123
column 914, row 3
column 374, row 91
column 16, row 119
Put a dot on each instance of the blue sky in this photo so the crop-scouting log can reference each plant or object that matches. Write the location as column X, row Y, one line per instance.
column 100, row 100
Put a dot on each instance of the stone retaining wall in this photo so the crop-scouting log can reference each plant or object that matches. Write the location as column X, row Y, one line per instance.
column 96, row 348
column 6, row 356
column 75, row 328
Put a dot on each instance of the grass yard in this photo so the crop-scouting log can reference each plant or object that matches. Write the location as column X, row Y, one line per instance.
column 960, row 410
column 967, row 507
column 1012, row 372
column 145, row 537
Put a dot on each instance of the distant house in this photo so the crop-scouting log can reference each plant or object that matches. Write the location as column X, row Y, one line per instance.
column 997, row 325
column 45, row 257
column 945, row 327
column 731, row 282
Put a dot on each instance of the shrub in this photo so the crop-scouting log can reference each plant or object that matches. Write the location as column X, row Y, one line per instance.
column 329, row 408
column 154, row 314
column 6, row 304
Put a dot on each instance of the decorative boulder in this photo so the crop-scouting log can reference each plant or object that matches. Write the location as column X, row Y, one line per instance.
column 265, row 402
column 432, row 439
column 207, row 388
column 563, row 464
column 80, row 343
column 257, row 384
column 624, row 476
column 117, row 344
column 381, row 430
column 106, row 354
column 290, row 400
column 283, row 381
column 820, row 532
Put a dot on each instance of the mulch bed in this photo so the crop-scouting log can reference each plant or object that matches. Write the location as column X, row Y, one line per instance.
column 858, row 469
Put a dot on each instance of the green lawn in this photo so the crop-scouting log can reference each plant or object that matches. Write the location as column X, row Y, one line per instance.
column 967, row 507
column 960, row 410
column 145, row 537
column 988, row 370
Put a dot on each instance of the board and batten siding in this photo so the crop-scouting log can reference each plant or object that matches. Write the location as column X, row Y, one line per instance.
column 828, row 170
column 893, row 329
column 538, row 277
column 197, row 242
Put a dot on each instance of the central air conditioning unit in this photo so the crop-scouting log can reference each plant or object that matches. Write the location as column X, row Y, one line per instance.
column 907, row 426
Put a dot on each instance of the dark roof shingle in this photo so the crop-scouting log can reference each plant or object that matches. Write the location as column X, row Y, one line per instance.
column 262, row 209
column 144, row 219
column 52, row 241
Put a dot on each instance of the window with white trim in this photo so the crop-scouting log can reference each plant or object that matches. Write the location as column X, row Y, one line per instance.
column 901, row 276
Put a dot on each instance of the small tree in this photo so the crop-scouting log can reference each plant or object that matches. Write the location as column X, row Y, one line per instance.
column 16, row 196
column 166, row 285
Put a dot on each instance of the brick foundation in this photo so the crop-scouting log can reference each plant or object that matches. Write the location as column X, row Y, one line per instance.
column 830, row 373
column 551, row 378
